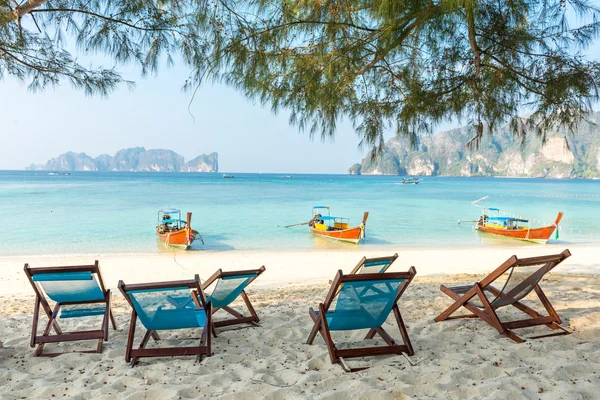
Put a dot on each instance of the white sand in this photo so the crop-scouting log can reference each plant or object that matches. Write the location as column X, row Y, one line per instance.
column 458, row 359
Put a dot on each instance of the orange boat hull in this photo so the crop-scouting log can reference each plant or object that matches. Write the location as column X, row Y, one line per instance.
column 537, row 235
column 182, row 238
column 352, row 235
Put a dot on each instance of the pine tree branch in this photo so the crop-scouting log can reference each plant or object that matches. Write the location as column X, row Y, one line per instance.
column 21, row 10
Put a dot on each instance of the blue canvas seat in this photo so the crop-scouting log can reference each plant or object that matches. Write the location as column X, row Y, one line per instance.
column 77, row 291
column 362, row 301
column 224, row 288
column 167, row 306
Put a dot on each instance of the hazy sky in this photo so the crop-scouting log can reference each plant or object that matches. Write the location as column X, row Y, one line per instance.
column 35, row 127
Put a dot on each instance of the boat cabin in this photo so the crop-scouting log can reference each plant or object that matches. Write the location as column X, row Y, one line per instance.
column 169, row 220
column 322, row 220
column 498, row 222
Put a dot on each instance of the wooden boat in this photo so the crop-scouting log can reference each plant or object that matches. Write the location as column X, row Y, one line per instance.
column 510, row 227
column 336, row 228
column 410, row 181
column 173, row 231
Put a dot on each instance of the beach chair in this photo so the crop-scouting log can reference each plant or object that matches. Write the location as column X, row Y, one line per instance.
column 228, row 286
column 167, row 306
column 374, row 265
column 78, row 291
column 522, row 277
column 362, row 301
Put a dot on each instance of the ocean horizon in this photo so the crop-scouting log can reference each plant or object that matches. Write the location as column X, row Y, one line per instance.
column 116, row 212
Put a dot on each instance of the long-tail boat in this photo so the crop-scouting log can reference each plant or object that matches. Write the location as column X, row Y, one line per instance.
column 512, row 227
column 173, row 231
column 336, row 228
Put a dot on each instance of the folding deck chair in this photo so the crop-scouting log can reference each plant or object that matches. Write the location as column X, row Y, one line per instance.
column 362, row 301
column 230, row 285
column 522, row 277
column 374, row 265
column 167, row 306
column 78, row 291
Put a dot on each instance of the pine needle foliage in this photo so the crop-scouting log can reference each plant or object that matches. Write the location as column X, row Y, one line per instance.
column 401, row 64
column 35, row 36
column 409, row 64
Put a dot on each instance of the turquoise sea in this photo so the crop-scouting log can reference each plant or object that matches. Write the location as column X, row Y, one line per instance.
column 92, row 212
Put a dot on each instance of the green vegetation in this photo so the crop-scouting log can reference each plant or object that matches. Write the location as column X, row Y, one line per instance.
column 379, row 63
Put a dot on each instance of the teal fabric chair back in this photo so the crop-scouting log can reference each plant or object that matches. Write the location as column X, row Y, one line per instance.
column 363, row 304
column 375, row 267
column 228, row 288
column 167, row 308
column 68, row 287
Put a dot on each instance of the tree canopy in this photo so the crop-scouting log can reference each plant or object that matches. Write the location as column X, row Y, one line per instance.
column 381, row 63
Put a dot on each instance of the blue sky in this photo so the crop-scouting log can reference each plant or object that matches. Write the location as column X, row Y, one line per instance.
column 247, row 136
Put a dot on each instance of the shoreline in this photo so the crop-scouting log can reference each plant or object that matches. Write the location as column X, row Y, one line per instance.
column 285, row 268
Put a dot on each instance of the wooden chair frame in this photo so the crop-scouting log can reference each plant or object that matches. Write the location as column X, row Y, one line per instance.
column 52, row 313
column 488, row 313
column 321, row 326
column 365, row 260
column 238, row 318
column 204, row 347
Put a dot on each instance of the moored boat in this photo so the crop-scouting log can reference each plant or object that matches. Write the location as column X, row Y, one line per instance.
column 336, row 228
column 513, row 227
column 410, row 181
column 173, row 231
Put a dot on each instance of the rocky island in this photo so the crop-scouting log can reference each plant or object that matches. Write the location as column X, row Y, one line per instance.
column 575, row 155
column 136, row 159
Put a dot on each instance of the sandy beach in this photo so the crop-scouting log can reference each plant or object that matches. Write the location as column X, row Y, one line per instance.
column 454, row 359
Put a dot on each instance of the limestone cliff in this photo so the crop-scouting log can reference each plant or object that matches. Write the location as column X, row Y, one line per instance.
column 562, row 155
column 136, row 159
column 202, row 163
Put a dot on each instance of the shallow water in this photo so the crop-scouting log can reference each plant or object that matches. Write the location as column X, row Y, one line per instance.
column 94, row 212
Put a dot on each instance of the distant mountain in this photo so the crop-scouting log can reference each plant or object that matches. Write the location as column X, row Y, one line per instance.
column 502, row 154
column 133, row 159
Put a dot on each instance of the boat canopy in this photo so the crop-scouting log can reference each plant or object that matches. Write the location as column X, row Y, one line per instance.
column 321, row 207
column 169, row 210
column 493, row 209
column 329, row 217
column 506, row 219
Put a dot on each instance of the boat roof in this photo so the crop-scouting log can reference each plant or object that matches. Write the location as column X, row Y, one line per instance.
column 504, row 219
column 493, row 209
column 329, row 217
column 169, row 210
column 320, row 207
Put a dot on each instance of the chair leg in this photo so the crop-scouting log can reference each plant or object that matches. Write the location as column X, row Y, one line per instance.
column 403, row 331
column 249, row 306
column 326, row 335
column 459, row 301
column 143, row 344
column 130, row 336
column 315, row 328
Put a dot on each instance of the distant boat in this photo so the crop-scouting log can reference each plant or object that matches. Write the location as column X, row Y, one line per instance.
column 510, row 227
column 173, row 231
column 288, row 176
column 336, row 228
column 410, row 181
column 228, row 176
column 59, row 173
